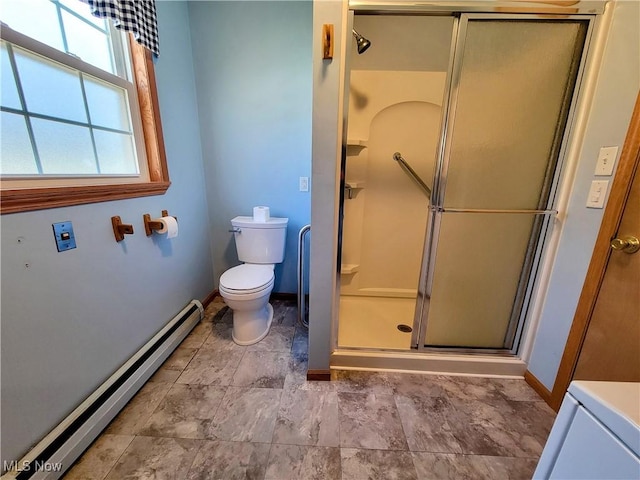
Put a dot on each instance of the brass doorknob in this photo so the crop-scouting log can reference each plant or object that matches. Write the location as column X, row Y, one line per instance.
column 626, row 244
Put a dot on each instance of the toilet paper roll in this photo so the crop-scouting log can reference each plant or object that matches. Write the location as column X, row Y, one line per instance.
column 261, row 214
column 169, row 226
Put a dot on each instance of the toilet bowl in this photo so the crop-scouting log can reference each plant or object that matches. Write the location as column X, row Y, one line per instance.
column 246, row 289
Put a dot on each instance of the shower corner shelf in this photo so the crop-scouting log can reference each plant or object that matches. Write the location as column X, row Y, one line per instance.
column 351, row 187
column 349, row 268
column 355, row 184
column 357, row 142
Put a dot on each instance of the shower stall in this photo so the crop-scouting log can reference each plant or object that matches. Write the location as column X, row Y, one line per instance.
column 454, row 139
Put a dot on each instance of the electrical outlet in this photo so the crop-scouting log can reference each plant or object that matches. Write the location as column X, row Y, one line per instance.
column 304, row 184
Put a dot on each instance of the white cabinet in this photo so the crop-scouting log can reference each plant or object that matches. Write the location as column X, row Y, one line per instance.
column 596, row 434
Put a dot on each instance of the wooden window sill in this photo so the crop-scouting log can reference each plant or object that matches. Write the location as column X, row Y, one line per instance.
column 24, row 200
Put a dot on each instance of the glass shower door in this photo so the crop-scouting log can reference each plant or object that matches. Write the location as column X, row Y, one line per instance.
column 512, row 87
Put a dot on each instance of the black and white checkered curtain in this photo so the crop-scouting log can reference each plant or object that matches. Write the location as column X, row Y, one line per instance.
column 135, row 16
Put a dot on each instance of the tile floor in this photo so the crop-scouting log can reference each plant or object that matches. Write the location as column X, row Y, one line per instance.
column 216, row 410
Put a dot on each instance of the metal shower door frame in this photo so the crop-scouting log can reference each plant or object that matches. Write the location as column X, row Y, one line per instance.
column 432, row 229
column 436, row 207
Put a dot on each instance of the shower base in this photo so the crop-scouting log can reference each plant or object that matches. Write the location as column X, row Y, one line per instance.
column 369, row 339
column 372, row 322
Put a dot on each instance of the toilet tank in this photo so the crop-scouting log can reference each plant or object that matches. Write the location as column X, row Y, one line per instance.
column 260, row 242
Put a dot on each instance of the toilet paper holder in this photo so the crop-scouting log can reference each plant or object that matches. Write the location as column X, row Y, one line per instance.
column 150, row 226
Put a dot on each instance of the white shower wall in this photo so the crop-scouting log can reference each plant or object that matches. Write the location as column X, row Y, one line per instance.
column 385, row 220
column 395, row 96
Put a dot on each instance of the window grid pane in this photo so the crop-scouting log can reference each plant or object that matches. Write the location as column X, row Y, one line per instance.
column 84, row 40
column 76, row 156
column 38, row 22
column 81, row 134
column 84, row 13
column 49, row 88
column 44, row 22
column 107, row 104
column 9, row 96
column 87, row 42
column 17, row 156
column 116, row 153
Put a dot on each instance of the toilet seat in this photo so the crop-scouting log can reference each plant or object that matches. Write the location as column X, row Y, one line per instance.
column 247, row 279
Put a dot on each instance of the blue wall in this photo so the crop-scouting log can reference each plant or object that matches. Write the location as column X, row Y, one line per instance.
column 71, row 319
column 252, row 63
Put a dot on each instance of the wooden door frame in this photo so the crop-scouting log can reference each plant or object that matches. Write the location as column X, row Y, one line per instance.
column 627, row 165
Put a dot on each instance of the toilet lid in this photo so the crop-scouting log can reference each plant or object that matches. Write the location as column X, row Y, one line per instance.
column 246, row 278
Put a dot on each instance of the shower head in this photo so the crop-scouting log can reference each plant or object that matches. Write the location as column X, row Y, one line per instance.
column 362, row 42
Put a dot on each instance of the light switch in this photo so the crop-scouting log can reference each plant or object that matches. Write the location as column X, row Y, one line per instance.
column 606, row 161
column 304, row 184
column 63, row 233
column 597, row 193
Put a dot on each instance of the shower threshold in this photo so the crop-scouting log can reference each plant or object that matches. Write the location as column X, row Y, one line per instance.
column 430, row 363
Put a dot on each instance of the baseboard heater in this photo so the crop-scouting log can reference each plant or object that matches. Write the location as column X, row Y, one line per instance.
column 56, row 452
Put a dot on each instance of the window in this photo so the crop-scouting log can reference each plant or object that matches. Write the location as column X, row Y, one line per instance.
column 79, row 111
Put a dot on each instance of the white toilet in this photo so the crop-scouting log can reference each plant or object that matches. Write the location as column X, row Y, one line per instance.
column 246, row 288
